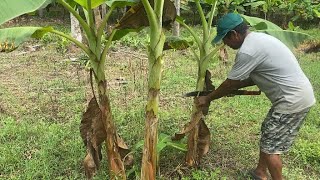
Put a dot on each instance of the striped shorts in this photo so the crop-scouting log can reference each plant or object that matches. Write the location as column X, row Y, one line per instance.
column 278, row 131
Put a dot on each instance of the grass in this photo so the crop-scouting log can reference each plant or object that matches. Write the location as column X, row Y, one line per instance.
column 43, row 94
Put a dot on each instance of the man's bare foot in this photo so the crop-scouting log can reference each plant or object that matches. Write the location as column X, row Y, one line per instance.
column 258, row 175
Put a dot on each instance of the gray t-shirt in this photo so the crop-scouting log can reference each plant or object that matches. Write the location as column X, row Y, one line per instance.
column 275, row 70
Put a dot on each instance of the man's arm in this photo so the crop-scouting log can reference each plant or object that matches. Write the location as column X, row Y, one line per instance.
column 227, row 87
column 245, row 83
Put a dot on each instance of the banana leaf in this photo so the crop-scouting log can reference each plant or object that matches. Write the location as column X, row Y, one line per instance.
column 94, row 3
column 114, row 3
column 121, row 3
column 255, row 4
column 173, row 42
column 136, row 16
column 165, row 141
column 122, row 32
column 260, row 24
column 11, row 38
column 291, row 38
column 10, row 9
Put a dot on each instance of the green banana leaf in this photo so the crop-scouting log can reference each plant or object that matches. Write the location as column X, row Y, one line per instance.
column 122, row 32
column 94, row 3
column 114, row 3
column 291, row 38
column 11, row 38
column 255, row 4
column 174, row 42
column 164, row 140
column 10, row 9
column 260, row 24
column 317, row 13
column 72, row 3
column 121, row 3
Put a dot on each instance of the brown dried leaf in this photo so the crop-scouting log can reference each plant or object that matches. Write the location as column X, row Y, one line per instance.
column 93, row 134
column 178, row 136
column 89, row 166
column 136, row 16
column 196, row 117
column 124, row 152
column 203, row 139
column 199, row 137
column 169, row 14
column 208, row 83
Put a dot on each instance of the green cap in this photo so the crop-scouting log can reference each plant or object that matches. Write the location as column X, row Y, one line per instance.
column 225, row 24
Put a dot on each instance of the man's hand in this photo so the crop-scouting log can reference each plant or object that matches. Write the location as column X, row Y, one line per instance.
column 202, row 101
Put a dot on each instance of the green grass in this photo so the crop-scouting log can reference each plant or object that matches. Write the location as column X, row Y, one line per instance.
column 43, row 95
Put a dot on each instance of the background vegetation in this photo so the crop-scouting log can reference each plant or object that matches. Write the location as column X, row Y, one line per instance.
column 44, row 89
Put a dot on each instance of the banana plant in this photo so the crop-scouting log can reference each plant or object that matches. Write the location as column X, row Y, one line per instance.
column 198, row 132
column 134, row 20
column 157, row 14
column 154, row 12
column 97, row 125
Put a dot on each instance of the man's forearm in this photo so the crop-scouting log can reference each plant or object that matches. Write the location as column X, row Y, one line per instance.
column 224, row 89
column 246, row 83
column 228, row 86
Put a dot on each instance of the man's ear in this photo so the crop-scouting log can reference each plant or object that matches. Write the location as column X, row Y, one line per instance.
column 233, row 34
column 237, row 35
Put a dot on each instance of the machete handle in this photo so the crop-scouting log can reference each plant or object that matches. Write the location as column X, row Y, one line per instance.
column 235, row 92
column 245, row 92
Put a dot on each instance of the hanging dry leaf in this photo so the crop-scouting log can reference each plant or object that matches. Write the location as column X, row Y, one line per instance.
column 208, row 87
column 93, row 134
column 169, row 14
column 196, row 117
column 199, row 137
column 208, row 82
column 136, row 16
column 90, row 167
column 124, row 151
column 203, row 139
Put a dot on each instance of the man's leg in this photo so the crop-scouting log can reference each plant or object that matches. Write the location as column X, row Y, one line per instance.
column 278, row 132
column 274, row 164
column 261, row 169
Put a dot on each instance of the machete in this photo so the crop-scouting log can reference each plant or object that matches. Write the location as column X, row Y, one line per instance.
column 235, row 92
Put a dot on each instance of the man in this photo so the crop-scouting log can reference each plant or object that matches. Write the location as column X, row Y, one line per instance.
column 265, row 61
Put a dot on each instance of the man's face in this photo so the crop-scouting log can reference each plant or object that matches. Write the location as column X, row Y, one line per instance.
column 233, row 40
